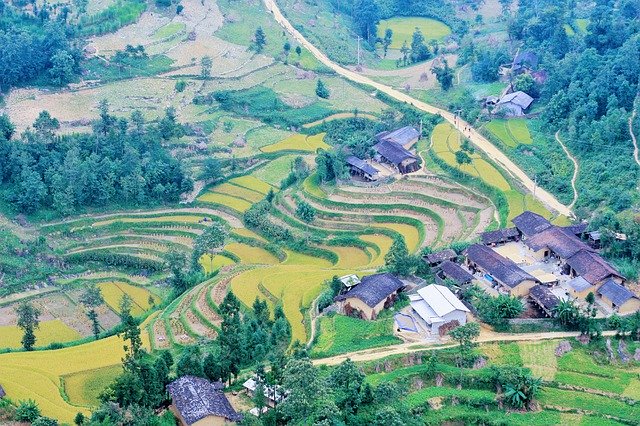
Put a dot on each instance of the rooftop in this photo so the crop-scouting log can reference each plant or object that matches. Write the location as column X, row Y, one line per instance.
column 455, row 272
column 441, row 299
column 501, row 268
column 544, row 297
column 196, row 398
column 362, row 165
column 393, row 152
column 518, row 98
column 403, row 136
column 529, row 223
column 613, row 291
column 440, row 256
column 579, row 284
column 373, row 289
column 498, row 236
column 592, row 267
column 558, row 240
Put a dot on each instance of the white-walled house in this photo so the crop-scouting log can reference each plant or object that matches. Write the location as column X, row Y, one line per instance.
column 439, row 308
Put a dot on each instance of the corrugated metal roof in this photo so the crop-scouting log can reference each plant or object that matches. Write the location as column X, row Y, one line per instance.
column 441, row 299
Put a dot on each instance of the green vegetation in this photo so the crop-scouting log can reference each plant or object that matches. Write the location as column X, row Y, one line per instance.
column 340, row 334
column 403, row 29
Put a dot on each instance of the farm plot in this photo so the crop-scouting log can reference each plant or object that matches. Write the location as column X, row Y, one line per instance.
column 251, row 255
column 340, row 334
column 219, row 261
column 84, row 388
column 298, row 142
column 274, row 171
column 403, row 29
column 238, row 204
column 37, row 375
column 253, row 183
column 511, row 132
column 113, row 292
column 52, row 331
column 295, row 286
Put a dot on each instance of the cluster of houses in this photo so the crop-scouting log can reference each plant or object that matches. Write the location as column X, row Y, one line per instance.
column 548, row 263
column 392, row 155
column 437, row 310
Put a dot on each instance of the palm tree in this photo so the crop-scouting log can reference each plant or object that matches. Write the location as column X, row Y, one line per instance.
column 566, row 312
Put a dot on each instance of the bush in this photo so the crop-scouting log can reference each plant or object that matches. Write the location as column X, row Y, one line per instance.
column 45, row 421
column 180, row 86
column 27, row 411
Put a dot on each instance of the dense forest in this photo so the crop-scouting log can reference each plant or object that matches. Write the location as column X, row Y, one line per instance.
column 121, row 162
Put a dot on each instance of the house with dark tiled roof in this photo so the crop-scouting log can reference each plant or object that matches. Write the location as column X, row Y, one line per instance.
column 555, row 242
column 579, row 229
column 593, row 268
column 580, row 288
column 618, row 297
column 197, row 401
column 396, row 155
column 499, row 270
column 514, row 104
column 448, row 270
column 436, row 258
column 499, row 236
column 544, row 299
column 530, row 223
column 359, row 167
column 405, row 136
column 373, row 294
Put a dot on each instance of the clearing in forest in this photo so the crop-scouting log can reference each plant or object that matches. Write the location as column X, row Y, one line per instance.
column 403, row 29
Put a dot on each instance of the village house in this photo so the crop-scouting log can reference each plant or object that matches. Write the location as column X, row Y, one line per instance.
column 529, row 223
column 406, row 137
column 617, row 297
column 544, row 298
column 499, row 236
column 579, row 288
column 274, row 395
column 396, row 155
column 359, row 167
column 436, row 258
column 197, row 401
column 439, row 308
column 555, row 242
column 593, row 268
column 368, row 298
column 448, row 270
column 514, row 104
column 499, row 270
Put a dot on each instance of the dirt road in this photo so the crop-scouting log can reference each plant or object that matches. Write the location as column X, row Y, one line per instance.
column 476, row 138
column 575, row 169
column 405, row 348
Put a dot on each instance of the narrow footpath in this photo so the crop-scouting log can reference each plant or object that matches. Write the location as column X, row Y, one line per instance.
column 474, row 136
column 633, row 137
column 575, row 169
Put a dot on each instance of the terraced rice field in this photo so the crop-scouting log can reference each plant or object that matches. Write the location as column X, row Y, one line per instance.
column 37, row 375
column 252, row 255
column 253, row 183
column 298, row 142
column 113, row 292
column 238, row 192
column 238, row 204
column 218, row 262
column 295, row 286
column 403, row 29
column 511, row 132
column 84, row 388
column 350, row 257
column 53, row 331
column 275, row 170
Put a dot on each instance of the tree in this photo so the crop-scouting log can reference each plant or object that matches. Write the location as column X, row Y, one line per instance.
column 62, row 69
column 366, row 15
column 321, row 90
column 526, row 83
column 210, row 242
column 306, row 390
column 79, row 419
column 387, row 40
column 91, row 298
column 305, row 212
column 444, row 75
column 45, row 125
column 259, row 40
column 130, row 331
column 27, row 411
column 190, row 362
column 28, row 322
column 466, row 335
column 419, row 50
column 259, row 400
column 388, row 416
column 205, row 67
column 397, row 260
column 566, row 312
column 462, row 158
column 6, row 127
column 298, row 51
column 212, row 169
column 286, row 48
column 522, row 390
column 347, row 381
column 405, row 50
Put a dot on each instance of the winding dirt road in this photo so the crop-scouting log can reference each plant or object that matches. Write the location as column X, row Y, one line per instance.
column 409, row 347
column 476, row 138
column 575, row 170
